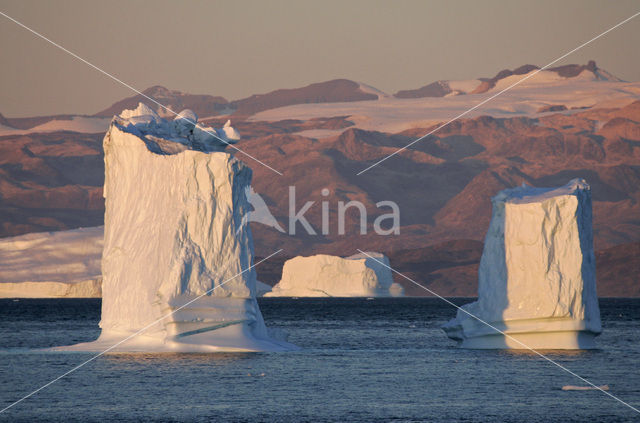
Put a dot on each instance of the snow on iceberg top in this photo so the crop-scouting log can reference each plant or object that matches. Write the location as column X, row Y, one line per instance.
column 527, row 194
column 169, row 137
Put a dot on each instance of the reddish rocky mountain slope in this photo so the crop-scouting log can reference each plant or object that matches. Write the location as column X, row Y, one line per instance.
column 442, row 184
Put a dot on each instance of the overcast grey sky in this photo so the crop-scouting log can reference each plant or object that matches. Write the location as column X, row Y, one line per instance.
column 238, row 48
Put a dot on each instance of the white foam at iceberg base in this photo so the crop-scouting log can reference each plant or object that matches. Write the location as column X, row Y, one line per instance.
column 537, row 273
column 174, row 230
column 331, row 276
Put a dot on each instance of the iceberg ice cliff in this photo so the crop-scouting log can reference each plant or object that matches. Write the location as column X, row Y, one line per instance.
column 537, row 273
column 322, row 275
column 174, row 230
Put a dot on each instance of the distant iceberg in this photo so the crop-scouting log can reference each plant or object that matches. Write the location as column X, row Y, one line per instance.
column 537, row 273
column 174, row 230
column 63, row 264
column 323, row 275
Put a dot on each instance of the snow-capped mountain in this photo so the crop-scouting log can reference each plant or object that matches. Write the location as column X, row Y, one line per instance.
column 504, row 78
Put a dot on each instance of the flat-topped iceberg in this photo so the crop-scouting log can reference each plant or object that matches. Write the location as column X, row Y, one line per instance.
column 360, row 275
column 537, row 273
column 174, row 231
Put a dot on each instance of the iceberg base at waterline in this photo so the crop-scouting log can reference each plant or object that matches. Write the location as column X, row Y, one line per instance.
column 208, row 324
column 536, row 281
column 537, row 334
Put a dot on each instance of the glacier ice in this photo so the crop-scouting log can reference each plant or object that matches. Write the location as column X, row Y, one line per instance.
column 174, row 230
column 360, row 275
column 52, row 264
column 537, row 273
column 585, row 388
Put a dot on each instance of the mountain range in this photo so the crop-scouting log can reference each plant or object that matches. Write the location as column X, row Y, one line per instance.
column 560, row 123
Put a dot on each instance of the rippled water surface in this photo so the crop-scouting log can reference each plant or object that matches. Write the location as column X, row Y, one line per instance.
column 362, row 361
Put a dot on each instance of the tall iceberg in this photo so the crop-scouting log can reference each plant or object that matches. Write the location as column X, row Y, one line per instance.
column 174, row 230
column 537, row 273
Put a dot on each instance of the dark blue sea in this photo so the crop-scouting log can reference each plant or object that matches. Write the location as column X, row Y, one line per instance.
column 382, row 360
